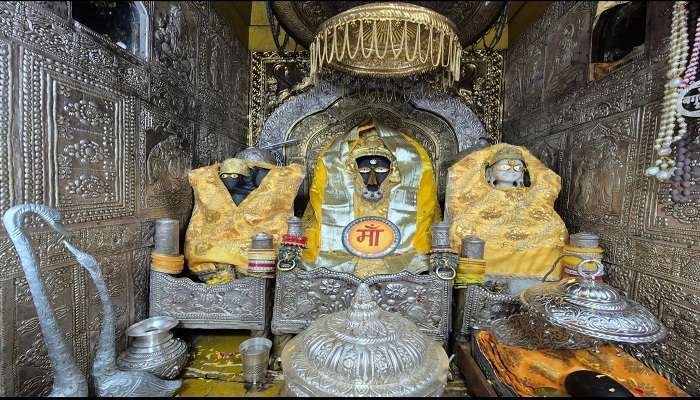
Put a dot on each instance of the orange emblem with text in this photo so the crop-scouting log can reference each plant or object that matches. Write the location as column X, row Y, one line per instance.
column 371, row 237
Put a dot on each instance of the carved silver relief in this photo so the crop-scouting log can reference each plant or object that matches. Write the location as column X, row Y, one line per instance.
column 40, row 30
column 92, row 170
column 662, row 217
column 597, row 173
column 436, row 136
column 240, row 304
column 165, row 157
column 651, row 245
column 6, row 187
column 567, row 68
column 276, row 81
column 174, row 42
column 76, row 126
column 304, row 296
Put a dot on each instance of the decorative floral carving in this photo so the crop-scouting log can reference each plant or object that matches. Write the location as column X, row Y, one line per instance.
column 395, row 291
column 87, row 112
column 87, row 151
column 87, row 186
column 329, row 286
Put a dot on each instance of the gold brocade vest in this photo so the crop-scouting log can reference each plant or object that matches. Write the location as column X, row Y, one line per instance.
column 334, row 202
column 523, row 233
column 220, row 231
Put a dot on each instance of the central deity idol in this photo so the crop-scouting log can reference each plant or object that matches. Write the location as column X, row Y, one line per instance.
column 372, row 171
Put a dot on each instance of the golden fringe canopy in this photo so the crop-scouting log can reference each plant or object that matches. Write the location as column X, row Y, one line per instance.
column 387, row 40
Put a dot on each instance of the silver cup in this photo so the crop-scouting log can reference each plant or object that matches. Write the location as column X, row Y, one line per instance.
column 294, row 226
column 441, row 235
column 255, row 354
column 167, row 237
column 473, row 247
column 584, row 239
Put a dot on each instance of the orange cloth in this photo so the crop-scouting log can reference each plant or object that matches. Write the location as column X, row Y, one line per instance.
column 529, row 372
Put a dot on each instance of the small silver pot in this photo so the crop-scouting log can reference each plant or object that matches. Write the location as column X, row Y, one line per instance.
column 154, row 349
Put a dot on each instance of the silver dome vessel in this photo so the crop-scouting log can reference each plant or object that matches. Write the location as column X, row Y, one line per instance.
column 364, row 351
column 594, row 309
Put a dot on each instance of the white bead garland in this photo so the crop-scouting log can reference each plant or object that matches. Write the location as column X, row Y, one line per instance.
column 663, row 168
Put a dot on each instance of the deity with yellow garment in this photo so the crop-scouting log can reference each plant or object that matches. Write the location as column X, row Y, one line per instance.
column 235, row 200
column 505, row 196
column 372, row 171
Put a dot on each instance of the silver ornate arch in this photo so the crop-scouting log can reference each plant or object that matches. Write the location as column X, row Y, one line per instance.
column 443, row 124
column 465, row 123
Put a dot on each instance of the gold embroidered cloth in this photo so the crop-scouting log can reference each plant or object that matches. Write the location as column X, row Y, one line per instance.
column 523, row 233
column 538, row 372
column 220, row 231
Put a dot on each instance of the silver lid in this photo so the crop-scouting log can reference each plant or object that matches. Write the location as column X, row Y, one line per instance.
column 594, row 309
column 364, row 351
column 473, row 247
column 261, row 241
column 584, row 239
column 294, row 227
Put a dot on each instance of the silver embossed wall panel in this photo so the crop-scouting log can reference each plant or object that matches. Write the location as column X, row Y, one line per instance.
column 599, row 137
column 107, row 138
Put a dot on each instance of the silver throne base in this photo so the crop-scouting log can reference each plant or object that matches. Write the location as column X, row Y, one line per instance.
column 240, row 304
column 303, row 296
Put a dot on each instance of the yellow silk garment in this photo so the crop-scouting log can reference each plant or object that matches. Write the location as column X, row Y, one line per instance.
column 413, row 201
column 523, row 233
column 220, row 231
column 540, row 372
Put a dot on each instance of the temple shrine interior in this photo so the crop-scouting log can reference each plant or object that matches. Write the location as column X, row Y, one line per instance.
column 349, row 198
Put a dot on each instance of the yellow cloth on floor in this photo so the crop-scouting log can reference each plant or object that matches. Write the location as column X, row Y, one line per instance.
column 220, row 231
column 523, row 233
column 526, row 371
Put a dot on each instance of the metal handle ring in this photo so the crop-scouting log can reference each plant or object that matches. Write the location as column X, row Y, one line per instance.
column 599, row 268
column 445, row 278
column 292, row 264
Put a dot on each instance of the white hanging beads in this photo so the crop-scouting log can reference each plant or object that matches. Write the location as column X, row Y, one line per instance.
column 664, row 166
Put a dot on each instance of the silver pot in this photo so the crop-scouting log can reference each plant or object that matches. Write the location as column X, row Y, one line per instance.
column 154, row 349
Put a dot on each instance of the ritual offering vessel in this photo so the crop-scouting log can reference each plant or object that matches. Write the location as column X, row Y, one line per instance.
column 153, row 348
column 577, row 313
column 364, row 351
column 261, row 255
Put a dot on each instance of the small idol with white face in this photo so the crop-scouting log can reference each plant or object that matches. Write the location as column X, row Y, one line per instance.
column 507, row 171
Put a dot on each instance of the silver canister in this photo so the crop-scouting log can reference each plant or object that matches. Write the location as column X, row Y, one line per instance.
column 441, row 235
column 261, row 241
column 294, row 227
column 167, row 237
column 255, row 354
column 473, row 247
column 585, row 240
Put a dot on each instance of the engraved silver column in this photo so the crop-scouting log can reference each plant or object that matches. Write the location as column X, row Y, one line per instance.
column 473, row 247
column 440, row 236
column 584, row 240
column 167, row 237
column 294, row 226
